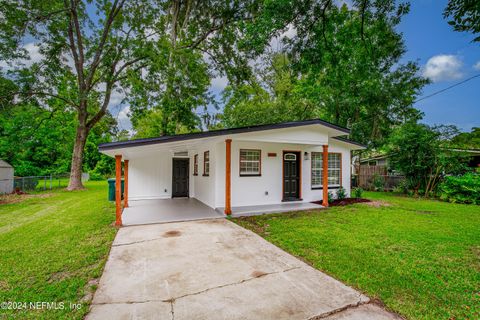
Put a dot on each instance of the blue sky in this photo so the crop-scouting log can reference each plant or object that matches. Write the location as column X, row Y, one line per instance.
column 452, row 58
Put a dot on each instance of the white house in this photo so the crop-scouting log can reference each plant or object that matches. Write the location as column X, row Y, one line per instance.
column 231, row 168
column 6, row 177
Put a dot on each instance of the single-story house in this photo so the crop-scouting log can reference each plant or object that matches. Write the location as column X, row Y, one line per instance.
column 6, row 177
column 232, row 168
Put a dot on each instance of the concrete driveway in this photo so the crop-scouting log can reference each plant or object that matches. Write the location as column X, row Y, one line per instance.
column 214, row 269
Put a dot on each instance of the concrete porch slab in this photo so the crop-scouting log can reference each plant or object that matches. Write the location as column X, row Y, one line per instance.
column 167, row 210
column 271, row 208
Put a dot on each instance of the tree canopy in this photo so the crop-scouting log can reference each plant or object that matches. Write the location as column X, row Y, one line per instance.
column 342, row 65
column 464, row 16
column 151, row 53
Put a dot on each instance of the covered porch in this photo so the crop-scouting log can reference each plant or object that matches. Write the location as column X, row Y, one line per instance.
column 245, row 211
column 167, row 210
column 142, row 212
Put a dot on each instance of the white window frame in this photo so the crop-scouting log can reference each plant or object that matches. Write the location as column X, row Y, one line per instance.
column 206, row 163
column 334, row 165
column 259, row 161
column 195, row 165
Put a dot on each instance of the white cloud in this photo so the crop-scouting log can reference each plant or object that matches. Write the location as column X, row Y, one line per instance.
column 477, row 66
column 123, row 119
column 34, row 53
column 277, row 42
column 124, row 113
column 219, row 83
column 116, row 97
column 443, row 67
column 33, row 56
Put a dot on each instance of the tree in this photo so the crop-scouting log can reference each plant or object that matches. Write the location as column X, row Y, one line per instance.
column 423, row 155
column 275, row 96
column 464, row 16
column 467, row 140
column 342, row 65
column 90, row 50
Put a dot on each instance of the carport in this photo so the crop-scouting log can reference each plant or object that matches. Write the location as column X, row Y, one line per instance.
column 167, row 210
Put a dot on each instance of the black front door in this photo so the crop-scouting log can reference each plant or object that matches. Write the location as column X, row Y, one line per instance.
column 291, row 176
column 180, row 178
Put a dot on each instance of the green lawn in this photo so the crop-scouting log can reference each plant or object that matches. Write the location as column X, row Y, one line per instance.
column 420, row 257
column 52, row 245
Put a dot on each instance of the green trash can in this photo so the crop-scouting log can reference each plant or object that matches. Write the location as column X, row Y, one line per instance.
column 111, row 189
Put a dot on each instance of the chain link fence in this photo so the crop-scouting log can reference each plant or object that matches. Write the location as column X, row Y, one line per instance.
column 38, row 183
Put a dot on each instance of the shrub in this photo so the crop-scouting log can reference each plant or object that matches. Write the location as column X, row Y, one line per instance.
column 330, row 197
column 401, row 187
column 378, row 182
column 357, row 192
column 95, row 176
column 461, row 189
column 341, row 193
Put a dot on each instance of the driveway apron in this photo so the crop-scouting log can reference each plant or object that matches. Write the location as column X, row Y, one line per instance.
column 215, row 269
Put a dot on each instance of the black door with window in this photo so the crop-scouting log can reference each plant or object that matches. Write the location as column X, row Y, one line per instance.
column 291, row 176
column 180, row 178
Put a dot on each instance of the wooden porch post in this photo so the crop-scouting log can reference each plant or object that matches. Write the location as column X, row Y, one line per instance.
column 325, row 176
column 228, row 172
column 118, row 190
column 125, row 192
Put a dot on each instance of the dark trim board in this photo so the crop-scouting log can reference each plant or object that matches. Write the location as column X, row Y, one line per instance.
column 349, row 141
column 213, row 133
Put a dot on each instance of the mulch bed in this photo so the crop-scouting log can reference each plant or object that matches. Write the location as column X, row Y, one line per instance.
column 344, row 202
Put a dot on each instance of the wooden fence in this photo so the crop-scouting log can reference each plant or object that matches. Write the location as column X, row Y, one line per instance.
column 376, row 178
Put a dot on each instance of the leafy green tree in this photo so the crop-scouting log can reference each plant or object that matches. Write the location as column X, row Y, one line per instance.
column 93, row 49
column 37, row 141
column 343, row 65
column 467, row 140
column 464, row 16
column 276, row 96
column 423, row 155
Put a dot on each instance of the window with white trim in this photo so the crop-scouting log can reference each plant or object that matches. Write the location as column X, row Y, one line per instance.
column 206, row 163
column 334, row 169
column 195, row 165
column 250, row 162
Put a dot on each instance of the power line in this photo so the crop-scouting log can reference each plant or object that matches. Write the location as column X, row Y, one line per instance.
column 447, row 88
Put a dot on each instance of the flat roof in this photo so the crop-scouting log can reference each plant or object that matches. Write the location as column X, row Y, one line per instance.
column 220, row 132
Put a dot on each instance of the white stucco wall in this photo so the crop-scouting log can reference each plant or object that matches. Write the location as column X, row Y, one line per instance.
column 253, row 190
column 150, row 177
column 204, row 186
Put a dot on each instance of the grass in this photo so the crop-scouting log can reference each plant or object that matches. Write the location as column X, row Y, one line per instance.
column 420, row 257
column 52, row 245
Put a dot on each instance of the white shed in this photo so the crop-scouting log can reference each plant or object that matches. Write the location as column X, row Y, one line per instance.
column 6, row 177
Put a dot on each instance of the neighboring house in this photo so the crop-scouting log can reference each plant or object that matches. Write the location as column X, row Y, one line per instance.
column 383, row 160
column 6, row 177
column 257, row 165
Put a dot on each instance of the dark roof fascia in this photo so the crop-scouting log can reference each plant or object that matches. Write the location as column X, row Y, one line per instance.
column 350, row 141
column 379, row 157
column 214, row 133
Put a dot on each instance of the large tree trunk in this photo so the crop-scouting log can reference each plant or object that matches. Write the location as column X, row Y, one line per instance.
column 75, row 182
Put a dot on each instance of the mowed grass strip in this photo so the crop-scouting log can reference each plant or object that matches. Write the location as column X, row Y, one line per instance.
column 420, row 257
column 52, row 245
